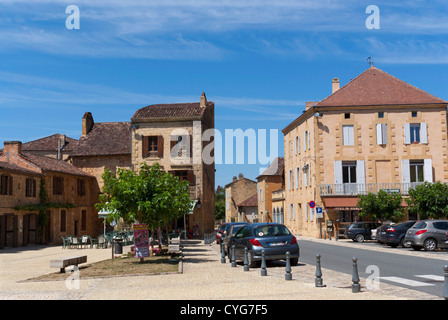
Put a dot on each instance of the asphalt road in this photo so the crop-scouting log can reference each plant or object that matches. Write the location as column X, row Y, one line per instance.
column 417, row 273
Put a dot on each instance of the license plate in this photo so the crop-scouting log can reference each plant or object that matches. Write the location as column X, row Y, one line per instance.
column 274, row 244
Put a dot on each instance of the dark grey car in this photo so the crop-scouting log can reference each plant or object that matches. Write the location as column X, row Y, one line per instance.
column 427, row 234
column 230, row 232
column 274, row 238
column 360, row 231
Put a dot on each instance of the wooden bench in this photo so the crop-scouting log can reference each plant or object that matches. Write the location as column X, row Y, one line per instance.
column 67, row 261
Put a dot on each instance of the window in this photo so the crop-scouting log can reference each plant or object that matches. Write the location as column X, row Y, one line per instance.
column 349, row 171
column 152, row 146
column 380, row 115
column 6, row 185
column 63, row 221
column 81, row 187
column 58, row 186
column 181, row 146
column 416, row 170
column 30, row 188
column 348, row 136
column 185, row 175
column 414, row 114
column 415, row 132
column 347, row 116
column 381, row 133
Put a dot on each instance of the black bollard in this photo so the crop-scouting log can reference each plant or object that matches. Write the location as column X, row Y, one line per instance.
column 318, row 280
column 223, row 254
column 233, row 257
column 288, row 275
column 246, row 261
column 445, row 288
column 356, row 287
column 263, row 265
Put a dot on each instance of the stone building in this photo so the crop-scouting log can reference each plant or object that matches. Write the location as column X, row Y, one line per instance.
column 172, row 135
column 248, row 209
column 237, row 191
column 272, row 179
column 375, row 133
column 71, row 194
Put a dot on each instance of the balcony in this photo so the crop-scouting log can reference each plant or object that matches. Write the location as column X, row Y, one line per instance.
column 353, row 189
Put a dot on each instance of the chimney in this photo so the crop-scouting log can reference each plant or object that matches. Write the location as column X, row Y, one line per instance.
column 13, row 147
column 234, row 179
column 61, row 145
column 87, row 123
column 335, row 85
column 240, row 176
column 203, row 101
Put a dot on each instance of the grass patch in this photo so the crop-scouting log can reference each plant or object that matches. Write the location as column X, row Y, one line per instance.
column 124, row 266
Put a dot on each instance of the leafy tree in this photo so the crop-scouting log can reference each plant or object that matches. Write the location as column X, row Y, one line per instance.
column 381, row 206
column 149, row 196
column 429, row 200
column 220, row 204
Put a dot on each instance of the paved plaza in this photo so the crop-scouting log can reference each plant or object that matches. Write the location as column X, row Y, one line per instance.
column 202, row 276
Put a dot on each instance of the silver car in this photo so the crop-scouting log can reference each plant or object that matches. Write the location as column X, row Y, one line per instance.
column 427, row 234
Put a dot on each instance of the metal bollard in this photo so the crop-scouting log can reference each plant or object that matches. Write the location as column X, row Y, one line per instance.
column 223, row 254
column 246, row 261
column 263, row 265
column 318, row 280
column 356, row 287
column 233, row 257
column 288, row 275
column 445, row 288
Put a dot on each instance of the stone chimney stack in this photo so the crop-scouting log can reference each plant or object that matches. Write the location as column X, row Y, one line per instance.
column 203, row 101
column 61, row 145
column 240, row 176
column 87, row 123
column 335, row 85
column 13, row 147
column 235, row 179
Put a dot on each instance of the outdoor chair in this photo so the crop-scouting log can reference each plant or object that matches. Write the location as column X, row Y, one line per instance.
column 101, row 242
column 64, row 243
column 93, row 242
column 84, row 241
column 76, row 242
column 68, row 241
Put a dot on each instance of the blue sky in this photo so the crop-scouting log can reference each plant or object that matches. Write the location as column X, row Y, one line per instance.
column 258, row 60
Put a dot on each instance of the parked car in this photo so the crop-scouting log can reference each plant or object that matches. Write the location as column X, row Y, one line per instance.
column 223, row 230
column 381, row 232
column 232, row 230
column 427, row 234
column 274, row 238
column 360, row 231
column 395, row 233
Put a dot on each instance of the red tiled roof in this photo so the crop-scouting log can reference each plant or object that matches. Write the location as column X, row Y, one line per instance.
column 250, row 202
column 374, row 87
column 49, row 143
column 105, row 138
column 176, row 110
column 52, row 165
column 13, row 167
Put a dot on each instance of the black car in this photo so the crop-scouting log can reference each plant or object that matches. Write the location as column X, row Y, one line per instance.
column 274, row 239
column 381, row 232
column 230, row 232
column 360, row 231
column 223, row 230
column 395, row 234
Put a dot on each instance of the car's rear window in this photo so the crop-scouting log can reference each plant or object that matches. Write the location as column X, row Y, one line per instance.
column 419, row 225
column 271, row 231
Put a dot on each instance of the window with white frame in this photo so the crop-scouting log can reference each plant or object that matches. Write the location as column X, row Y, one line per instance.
column 348, row 135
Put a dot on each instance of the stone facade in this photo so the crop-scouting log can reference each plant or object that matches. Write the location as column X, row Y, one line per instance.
column 237, row 191
column 21, row 175
column 272, row 179
column 377, row 132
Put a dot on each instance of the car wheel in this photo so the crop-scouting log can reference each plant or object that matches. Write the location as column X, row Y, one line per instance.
column 250, row 260
column 359, row 237
column 430, row 244
column 294, row 261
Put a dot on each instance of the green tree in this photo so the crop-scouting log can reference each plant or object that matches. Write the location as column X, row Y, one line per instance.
column 220, row 204
column 381, row 206
column 429, row 200
column 150, row 196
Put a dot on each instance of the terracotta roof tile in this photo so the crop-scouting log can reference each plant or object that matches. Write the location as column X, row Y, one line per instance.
column 13, row 167
column 375, row 87
column 105, row 138
column 250, row 202
column 52, row 165
column 176, row 110
column 49, row 143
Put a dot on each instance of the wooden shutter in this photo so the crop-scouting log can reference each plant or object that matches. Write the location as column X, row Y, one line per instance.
column 405, row 171
column 160, row 146
column 427, row 170
column 10, row 185
column 407, row 133
column 191, row 177
column 34, row 188
column 190, row 153
column 145, row 146
column 423, row 133
column 54, row 185
column 338, row 172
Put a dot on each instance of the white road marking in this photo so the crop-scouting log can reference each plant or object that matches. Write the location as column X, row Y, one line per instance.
column 408, row 282
column 431, row 277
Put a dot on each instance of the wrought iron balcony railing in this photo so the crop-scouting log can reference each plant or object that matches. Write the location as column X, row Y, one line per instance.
column 353, row 189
